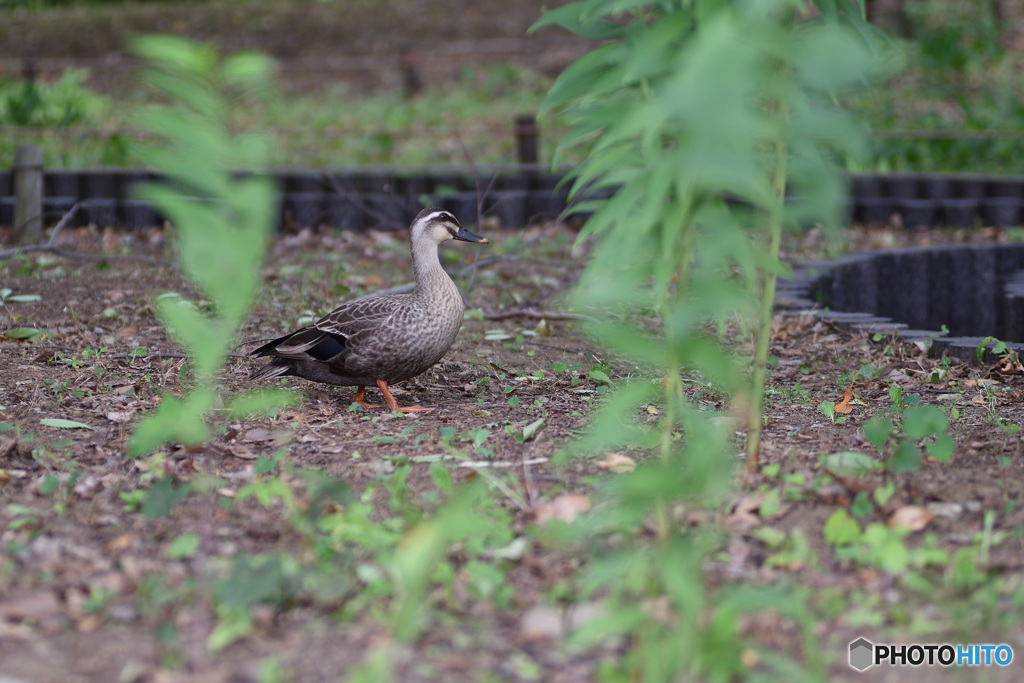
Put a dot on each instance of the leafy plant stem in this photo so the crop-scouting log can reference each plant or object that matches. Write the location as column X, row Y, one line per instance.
column 764, row 327
column 674, row 394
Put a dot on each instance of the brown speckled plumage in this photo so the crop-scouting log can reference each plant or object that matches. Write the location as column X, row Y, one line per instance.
column 382, row 338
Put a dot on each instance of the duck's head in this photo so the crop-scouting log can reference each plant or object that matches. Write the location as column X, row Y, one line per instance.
column 439, row 226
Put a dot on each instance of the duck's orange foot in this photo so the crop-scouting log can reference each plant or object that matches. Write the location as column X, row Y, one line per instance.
column 393, row 404
column 413, row 409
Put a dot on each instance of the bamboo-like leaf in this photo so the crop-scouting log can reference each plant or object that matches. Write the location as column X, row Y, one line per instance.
column 176, row 421
column 258, row 402
column 21, row 298
column 28, row 333
column 582, row 18
column 589, row 75
column 612, row 424
column 61, row 423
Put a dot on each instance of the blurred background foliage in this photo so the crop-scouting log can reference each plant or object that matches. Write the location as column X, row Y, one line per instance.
column 952, row 99
column 465, row 121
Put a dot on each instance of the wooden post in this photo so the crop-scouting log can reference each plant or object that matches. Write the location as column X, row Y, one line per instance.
column 526, row 138
column 28, row 193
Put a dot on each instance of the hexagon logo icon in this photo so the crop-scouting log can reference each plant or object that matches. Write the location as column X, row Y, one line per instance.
column 861, row 651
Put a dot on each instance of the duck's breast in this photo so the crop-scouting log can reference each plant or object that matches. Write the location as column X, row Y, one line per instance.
column 412, row 340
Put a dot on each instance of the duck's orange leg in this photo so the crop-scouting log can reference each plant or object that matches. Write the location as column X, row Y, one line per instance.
column 360, row 398
column 393, row 404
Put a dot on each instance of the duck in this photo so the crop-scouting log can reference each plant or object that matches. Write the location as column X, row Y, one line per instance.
column 381, row 339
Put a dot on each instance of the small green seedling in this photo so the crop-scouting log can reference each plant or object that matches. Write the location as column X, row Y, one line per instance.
column 901, row 454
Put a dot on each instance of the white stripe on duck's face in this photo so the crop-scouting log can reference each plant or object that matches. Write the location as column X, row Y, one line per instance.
column 438, row 224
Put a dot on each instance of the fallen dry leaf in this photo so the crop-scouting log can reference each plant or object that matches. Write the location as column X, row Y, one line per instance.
column 128, row 332
column 844, row 405
column 121, row 543
column 565, row 507
column 946, row 510
column 913, row 517
column 617, row 463
column 240, row 451
column 541, row 622
column 89, row 623
column 30, row 606
column 744, row 516
column 257, row 434
column 1010, row 365
column 750, row 658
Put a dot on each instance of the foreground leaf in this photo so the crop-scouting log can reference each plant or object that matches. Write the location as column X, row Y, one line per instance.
column 851, row 464
column 61, row 423
column 22, row 299
column 27, row 333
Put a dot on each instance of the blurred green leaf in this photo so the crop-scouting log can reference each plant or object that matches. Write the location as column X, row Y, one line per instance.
column 877, row 431
column 260, row 401
column 61, row 423
column 179, row 421
column 841, row 529
column 582, row 18
column 248, row 68
column 942, row 448
column 26, row 333
column 162, row 496
column 905, row 459
column 851, row 464
column 231, row 626
column 923, row 421
column 531, row 429
column 183, row 547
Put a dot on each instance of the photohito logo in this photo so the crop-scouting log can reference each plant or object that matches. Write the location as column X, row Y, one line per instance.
column 865, row 654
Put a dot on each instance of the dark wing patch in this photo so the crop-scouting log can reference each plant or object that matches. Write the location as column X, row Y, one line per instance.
column 326, row 347
column 328, row 339
column 309, row 343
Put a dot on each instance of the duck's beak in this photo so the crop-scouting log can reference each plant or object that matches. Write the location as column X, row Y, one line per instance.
column 467, row 236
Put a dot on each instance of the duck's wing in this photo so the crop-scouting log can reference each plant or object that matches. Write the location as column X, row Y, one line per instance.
column 329, row 338
column 359, row 316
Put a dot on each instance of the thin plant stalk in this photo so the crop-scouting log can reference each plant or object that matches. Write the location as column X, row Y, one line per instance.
column 674, row 398
column 764, row 328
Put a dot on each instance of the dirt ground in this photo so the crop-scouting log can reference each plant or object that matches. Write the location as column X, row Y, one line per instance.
column 68, row 532
column 366, row 44
column 93, row 537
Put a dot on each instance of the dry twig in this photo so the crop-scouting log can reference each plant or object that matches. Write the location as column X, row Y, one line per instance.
column 51, row 246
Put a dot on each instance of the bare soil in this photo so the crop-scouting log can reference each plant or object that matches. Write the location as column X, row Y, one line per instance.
column 61, row 547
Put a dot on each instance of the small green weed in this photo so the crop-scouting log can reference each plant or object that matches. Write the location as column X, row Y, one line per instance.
column 901, row 453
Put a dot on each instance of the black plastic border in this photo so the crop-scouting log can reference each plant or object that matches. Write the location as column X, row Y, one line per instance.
column 976, row 290
column 387, row 198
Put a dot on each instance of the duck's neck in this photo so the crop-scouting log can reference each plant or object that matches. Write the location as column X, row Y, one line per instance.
column 427, row 268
